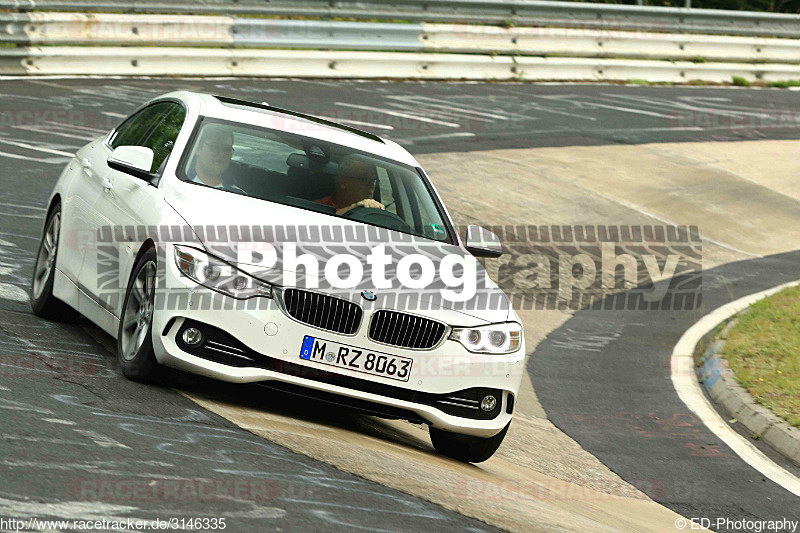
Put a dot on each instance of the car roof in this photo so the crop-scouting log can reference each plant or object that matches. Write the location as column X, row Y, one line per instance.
column 267, row 116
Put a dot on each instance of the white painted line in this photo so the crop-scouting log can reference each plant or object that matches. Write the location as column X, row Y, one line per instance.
column 435, row 102
column 644, row 100
column 630, row 110
column 13, row 293
column 59, row 421
column 731, row 108
column 22, row 206
column 101, row 440
column 565, row 113
column 87, row 129
column 27, row 371
column 399, row 114
column 448, row 113
column 445, row 110
column 676, row 128
column 688, row 388
column 442, row 136
column 26, row 438
column 110, row 114
column 37, row 148
column 12, row 405
column 546, row 110
column 578, row 103
column 20, row 216
column 50, row 161
column 52, row 132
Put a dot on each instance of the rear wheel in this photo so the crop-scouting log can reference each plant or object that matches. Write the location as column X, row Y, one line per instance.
column 466, row 448
column 134, row 339
column 43, row 302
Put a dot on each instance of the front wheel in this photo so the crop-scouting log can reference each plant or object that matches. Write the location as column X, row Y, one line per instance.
column 43, row 302
column 466, row 448
column 134, row 338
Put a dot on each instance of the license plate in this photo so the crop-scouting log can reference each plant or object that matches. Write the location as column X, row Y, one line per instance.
column 345, row 356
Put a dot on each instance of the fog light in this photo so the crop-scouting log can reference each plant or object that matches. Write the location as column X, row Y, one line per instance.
column 488, row 403
column 193, row 336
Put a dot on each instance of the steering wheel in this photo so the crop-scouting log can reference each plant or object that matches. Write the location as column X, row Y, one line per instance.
column 378, row 217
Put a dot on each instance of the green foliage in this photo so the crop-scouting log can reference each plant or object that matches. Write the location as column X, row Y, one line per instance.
column 763, row 350
column 784, row 84
column 740, row 82
column 774, row 6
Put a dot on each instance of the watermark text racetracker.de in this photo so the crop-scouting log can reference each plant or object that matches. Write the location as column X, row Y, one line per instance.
column 117, row 524
column 177, row 489
column 602, row 267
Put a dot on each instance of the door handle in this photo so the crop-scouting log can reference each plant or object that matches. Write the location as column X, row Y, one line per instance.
column 107, row 185
column 87, row 166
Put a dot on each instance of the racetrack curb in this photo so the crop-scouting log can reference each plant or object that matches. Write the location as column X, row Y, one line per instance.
column 685, row 380
column 721, row 384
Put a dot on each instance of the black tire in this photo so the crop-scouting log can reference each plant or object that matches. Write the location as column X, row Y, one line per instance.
column 134, row 338
column 466, row 447
column 43, row 303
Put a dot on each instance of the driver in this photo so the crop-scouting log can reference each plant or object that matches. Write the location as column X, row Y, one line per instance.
column 355, row 187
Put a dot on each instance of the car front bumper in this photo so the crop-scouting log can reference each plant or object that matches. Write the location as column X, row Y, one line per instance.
column 441, row 379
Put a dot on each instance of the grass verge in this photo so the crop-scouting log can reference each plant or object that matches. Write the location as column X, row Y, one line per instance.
column 763, row 349
column 784, row 84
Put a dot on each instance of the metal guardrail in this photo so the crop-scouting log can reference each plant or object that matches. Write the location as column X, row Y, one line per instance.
column 498, row 12
column 181, row 30
column 52, row 29
column 156, row 61
column 62, row 43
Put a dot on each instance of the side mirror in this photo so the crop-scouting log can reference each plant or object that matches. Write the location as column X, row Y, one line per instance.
column 133, row 160
column 483, row 243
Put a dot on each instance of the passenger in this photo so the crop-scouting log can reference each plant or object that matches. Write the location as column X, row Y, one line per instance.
column 355, row 187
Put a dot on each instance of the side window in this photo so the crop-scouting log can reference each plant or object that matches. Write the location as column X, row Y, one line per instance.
column 162, row 137
column 135, row 128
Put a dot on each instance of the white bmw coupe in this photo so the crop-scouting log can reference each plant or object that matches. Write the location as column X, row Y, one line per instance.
column 249, row 243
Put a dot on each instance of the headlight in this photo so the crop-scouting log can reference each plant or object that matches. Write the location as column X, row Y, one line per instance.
column 218, row 275
column 493, row 339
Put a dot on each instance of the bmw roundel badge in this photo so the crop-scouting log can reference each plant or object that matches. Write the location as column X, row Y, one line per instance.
column 369, row 295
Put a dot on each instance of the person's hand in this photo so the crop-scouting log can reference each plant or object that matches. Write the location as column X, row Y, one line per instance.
column 367, row 202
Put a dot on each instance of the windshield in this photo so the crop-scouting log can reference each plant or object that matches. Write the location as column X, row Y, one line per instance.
column 315, row 175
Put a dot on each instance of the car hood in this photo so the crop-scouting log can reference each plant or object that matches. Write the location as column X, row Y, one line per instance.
column 226, row 223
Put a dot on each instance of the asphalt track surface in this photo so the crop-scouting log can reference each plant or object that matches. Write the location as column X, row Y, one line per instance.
column 604, row 379
column 72, row 424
